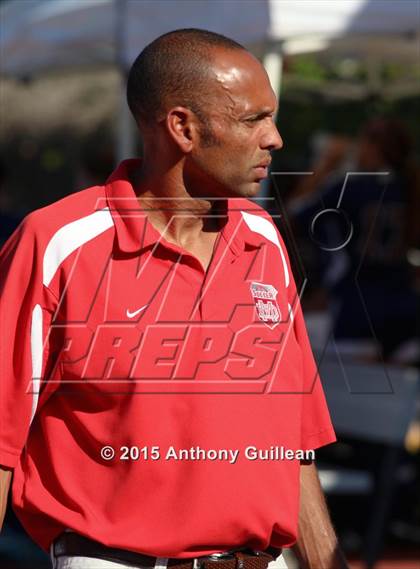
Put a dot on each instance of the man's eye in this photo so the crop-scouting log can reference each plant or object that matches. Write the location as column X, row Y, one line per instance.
column 258, row 118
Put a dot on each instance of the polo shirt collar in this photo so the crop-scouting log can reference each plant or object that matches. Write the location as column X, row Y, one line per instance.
column 135, row 232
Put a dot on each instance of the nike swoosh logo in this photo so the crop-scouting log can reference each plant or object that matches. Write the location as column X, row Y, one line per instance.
column 133, row 314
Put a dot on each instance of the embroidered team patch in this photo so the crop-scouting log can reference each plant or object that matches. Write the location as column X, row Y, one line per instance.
column 268, row 310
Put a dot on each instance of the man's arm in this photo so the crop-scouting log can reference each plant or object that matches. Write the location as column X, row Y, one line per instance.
column 5, row 479
column 317, row 546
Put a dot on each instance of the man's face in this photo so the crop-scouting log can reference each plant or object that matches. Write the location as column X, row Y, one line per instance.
column 232, row 154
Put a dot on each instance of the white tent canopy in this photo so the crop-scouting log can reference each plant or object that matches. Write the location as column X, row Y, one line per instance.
column 39, row 35
column 43, row 35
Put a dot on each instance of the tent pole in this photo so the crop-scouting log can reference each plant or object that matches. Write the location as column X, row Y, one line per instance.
column 124, row 131
column 273, row 64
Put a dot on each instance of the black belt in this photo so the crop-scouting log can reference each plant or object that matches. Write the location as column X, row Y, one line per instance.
column 70, row 543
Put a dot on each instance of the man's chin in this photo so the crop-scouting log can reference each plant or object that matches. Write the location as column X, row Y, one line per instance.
column 252, row 190
column 249, row 190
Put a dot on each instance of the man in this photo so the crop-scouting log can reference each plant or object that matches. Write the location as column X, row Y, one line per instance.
column 161, row 328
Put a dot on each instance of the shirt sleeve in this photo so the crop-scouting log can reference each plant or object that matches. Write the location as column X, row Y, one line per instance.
column 316, row 426
column 26, row 308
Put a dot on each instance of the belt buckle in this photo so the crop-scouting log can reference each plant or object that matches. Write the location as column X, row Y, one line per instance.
column 214, row 558
column 217, row 556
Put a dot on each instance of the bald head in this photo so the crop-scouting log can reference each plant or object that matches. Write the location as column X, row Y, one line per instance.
column 173, row 70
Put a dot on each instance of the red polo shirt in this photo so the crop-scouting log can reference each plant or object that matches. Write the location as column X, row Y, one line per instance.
column 201, row 381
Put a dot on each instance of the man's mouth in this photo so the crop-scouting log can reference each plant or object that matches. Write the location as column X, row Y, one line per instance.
column 263, row 164
column 262, row 169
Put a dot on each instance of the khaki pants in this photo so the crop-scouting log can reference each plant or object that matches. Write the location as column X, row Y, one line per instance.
column 78, row 562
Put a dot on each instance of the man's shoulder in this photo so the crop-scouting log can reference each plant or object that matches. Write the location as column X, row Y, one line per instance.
column 45, row 222
column 250, row 210
column 256, row 219
column 247, row 205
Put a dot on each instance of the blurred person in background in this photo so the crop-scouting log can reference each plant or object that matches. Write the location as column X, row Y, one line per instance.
column 365, row 224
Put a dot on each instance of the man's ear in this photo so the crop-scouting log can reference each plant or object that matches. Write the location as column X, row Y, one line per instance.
column 181, row 124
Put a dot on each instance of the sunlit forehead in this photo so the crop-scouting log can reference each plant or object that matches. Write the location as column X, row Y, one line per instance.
column 228, row 77
column 243, row 85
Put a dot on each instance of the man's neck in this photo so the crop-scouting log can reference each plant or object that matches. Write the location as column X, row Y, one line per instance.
column 173, row 211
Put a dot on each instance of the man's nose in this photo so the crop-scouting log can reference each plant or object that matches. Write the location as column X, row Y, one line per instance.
column 272, row 139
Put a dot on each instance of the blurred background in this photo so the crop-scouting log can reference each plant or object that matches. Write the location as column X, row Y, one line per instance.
column 344, row 191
